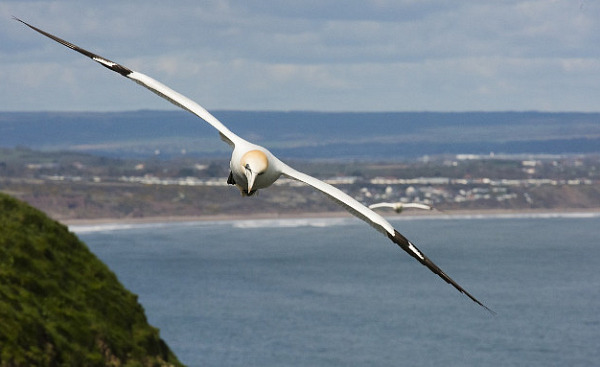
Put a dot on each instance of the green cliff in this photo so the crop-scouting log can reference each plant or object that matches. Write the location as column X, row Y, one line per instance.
column 60, row 305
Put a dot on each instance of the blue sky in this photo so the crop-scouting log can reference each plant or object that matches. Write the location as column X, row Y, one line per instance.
column 379, row 55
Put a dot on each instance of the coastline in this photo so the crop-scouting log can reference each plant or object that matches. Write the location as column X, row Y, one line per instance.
column 74, row 222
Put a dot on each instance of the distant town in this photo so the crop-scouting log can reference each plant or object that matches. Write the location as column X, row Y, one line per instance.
column 79, row 186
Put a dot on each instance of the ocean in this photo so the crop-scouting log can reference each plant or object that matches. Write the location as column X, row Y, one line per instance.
column 334, row 292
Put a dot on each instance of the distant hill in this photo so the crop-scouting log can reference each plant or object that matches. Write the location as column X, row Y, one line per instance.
column 311, row 135
column 60, row 305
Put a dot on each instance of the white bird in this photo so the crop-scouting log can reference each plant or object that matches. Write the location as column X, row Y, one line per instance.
column 254, row 167
column 398, row 207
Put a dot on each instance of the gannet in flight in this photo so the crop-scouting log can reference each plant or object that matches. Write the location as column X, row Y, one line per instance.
column 254, row 167
column 398, row 207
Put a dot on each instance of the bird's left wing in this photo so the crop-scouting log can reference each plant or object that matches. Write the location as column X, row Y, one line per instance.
column 152, row 84
column 377, row 222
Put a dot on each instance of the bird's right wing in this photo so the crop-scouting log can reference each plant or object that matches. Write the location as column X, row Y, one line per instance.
column 381, row 205
column 417, row 206
column 151, row 84
column 350, row 204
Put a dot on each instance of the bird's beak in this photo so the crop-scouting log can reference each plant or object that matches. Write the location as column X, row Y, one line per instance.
column 251, row 177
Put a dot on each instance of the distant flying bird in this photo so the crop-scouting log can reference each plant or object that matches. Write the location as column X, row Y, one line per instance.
column 398, row 207
column 254, row 167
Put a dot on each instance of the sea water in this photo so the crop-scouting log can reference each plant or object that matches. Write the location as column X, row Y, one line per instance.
column 334, row 292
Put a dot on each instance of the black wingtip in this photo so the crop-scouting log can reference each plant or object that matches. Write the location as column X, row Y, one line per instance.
column 19, row 20
column 99, row 59
column 413, row 251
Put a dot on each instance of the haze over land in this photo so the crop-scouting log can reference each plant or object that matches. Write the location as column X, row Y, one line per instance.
column 306, row 135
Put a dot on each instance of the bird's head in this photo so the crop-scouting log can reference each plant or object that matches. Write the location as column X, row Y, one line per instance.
column 254, row 163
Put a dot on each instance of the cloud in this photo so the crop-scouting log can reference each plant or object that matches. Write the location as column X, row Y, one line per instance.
column 320, row 55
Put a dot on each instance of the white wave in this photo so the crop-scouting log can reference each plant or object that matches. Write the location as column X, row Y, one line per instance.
column 244, row 223
column 292, row 222
column 109, row 227
column 113, row 227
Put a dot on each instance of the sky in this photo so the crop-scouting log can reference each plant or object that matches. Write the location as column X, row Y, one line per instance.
column 317, row 55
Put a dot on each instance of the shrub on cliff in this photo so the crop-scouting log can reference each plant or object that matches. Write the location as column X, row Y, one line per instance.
column 60, row 305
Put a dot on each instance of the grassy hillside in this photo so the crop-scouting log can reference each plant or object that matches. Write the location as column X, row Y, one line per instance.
column 60, row 305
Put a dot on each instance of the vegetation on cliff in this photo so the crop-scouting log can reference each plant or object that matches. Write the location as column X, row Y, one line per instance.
column 60, row 305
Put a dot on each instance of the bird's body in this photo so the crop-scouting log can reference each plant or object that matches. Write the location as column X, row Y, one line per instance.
column 399, row 207
column 254, row 168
